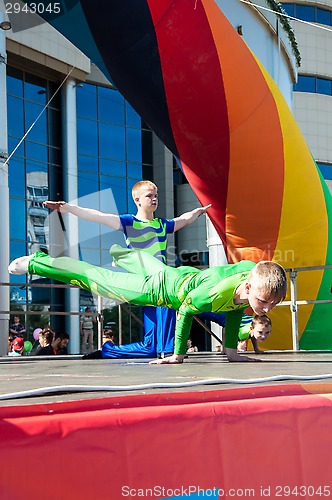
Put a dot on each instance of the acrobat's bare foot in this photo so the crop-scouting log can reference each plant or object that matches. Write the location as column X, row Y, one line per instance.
column 175, row 359
column 20, row 265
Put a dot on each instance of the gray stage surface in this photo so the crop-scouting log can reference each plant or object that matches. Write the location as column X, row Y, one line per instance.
column 70, row 374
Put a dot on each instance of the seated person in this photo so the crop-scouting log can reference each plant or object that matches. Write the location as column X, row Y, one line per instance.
column 17, row 347
column 45, row 338
column 62, row 345
column 57, row 346
column 108, row 336
column 190, row 347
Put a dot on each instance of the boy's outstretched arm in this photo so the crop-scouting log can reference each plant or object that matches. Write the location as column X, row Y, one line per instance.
column 189, row 217
column 89, row 214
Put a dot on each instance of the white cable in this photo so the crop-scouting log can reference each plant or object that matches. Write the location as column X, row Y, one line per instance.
column 315, row 25
column 43, row 391
column 34, row 123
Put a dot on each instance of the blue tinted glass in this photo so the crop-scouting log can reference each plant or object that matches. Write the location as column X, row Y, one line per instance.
column 112, row 141
column 134, row 145
column 37, row 166
column 132, row 118
column 17, row 249
column 35, row 89
column 323, row 16
column 87, row 184
column 135, row 171
column 15, row 116
column 324, row 86
column 132, row 209
column 111, row 106
column 111, row 238
column 305, row 12
column 118, row 186
column 326, row 170
column 289, row 8
column 14, row 86
column 86, row 99
column 91, row 256
column 12, row 144
column 89, row 234
column 88, row 163
column 17, row 219
column 39, row 130
column 305, row 84
column 87, row 137
column 107, row 202
column 36, row 151
column 16, row 176
column 112, row 167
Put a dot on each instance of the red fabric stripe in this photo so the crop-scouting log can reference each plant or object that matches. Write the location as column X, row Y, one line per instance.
column 196, row 99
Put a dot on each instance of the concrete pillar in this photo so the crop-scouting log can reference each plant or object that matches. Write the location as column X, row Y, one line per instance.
column 4, row 198
column 70, row 181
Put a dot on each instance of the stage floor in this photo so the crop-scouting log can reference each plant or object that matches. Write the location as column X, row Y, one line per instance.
column 68, row 376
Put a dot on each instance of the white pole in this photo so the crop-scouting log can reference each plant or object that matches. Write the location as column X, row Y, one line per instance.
column 294, row 311
column 4, row 198
column 217, row 257
column 70, row 175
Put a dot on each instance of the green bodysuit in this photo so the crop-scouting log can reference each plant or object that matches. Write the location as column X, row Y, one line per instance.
column 150, row 282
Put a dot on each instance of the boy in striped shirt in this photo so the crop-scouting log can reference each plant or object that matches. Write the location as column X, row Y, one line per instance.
column 146, row 232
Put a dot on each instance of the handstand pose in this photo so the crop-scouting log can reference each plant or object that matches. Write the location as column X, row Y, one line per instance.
column 143, row 231
column 230, row 288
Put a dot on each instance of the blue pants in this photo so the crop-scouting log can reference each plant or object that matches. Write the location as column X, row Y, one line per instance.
column 159, row 326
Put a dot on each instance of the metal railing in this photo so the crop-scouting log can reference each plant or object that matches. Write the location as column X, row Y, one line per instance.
column 293, row 303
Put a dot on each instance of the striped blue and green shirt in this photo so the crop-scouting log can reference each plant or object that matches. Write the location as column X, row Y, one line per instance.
column 150, row 235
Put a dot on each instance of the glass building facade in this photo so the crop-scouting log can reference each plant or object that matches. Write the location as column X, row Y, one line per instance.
column 114, row 151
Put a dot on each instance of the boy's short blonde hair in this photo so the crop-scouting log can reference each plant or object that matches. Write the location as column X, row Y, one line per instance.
column 270, row 277
column 136, row 187
column 261, row 320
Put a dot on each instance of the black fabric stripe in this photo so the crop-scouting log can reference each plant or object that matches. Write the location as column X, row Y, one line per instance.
column 125, row 36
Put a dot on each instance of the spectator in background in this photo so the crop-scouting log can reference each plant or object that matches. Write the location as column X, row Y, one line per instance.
column 190, row 347
column 10, row 340
column 46, row 337
column 17, row 347
column 57, row 346
column 86, row 329
column 108, row 336
column 17, row 328
column 62, row 346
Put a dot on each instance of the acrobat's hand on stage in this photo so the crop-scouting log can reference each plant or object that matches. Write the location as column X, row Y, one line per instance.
column 175, row 359
column 59, row 206
column 233, row 356
column 20, row 265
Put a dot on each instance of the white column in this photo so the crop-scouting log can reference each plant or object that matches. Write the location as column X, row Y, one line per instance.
column 70, row 180
column 217, row 257
column 163, row 178
column 4, row 198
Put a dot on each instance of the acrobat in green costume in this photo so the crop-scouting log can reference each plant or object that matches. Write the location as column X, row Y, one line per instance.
column 150, row 282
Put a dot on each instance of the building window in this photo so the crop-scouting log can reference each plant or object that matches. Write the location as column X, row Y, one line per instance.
column 313, row 84
column 29, row 174
column 114, row 152
column 309, row 13
column 326, row 170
